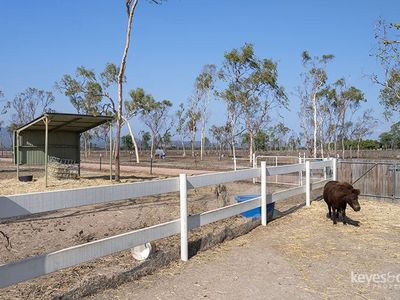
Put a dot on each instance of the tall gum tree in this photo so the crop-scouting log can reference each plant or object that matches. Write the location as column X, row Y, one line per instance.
column 314, row 81
column 387, row 53
column 130, row 9
column 252, row 90
column 205, row 82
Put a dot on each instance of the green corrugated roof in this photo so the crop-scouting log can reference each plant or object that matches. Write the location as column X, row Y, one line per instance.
column 66, row 122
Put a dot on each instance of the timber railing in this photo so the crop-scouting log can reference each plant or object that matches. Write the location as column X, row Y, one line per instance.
column 26, row 204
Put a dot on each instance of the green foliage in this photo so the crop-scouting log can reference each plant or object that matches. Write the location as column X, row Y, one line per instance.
column 387, row 54
column 127, row 142
column 391, row 139
column 138, row 103
column 252, row 89
column 145, row 140
column 87, row 92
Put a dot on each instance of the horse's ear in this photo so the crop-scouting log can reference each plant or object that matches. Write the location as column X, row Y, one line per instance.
column 356, row 191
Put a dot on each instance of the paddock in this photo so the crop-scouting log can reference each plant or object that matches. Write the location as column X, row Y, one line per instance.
column 93, row 226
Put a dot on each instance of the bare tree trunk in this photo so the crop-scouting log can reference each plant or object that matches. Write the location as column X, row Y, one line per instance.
column 152, row 145
column 183, row 148
column 121, row 73
column 193, row 141
column 203, row 136
column 314, row 107
column 342, row 147
column 133, row 139
column 251, row 147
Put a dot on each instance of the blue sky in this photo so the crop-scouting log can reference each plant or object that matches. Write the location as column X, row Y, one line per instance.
column 42, row 40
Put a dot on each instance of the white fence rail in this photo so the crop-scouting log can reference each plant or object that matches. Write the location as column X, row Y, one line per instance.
column 32, row 267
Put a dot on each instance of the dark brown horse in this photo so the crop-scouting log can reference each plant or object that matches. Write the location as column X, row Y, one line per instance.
column 337, row 195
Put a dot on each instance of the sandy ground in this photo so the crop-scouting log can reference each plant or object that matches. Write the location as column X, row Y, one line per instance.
column 299, row 256
column 48, row 232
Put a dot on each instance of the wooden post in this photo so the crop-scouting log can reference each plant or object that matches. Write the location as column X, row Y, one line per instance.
column 308, row 184
column 264, row 193
column 111, row 151
column 184, row 217
column 334, row 169
column 46, row 149
column 17, row 154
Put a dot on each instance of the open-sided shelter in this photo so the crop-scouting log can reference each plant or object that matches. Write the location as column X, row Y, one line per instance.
column 53, row 135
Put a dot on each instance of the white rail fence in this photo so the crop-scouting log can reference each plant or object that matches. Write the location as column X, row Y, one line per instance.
column 25, row 204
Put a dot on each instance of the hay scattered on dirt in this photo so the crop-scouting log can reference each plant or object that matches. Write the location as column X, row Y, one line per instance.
column 12, row 186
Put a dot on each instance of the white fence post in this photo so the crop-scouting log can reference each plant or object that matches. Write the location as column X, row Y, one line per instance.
column 234, row 163
column 264, row 193
column 325, row 168
column 254, row 166
column 276, row 164
column 334, row 169
column 184, row 217
column 300, row 173
column 308, row 184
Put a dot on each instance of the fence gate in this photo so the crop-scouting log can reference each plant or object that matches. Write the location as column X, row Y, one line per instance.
column 380, row 179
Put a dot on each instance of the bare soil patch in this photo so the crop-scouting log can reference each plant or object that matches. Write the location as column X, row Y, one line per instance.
column 53, row 231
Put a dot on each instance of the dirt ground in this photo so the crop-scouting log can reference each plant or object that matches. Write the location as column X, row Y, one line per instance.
column 53, row 231
column 299, row 256
column 310, row 256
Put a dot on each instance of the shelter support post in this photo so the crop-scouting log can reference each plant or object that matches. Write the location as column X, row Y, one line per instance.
column 17, row 154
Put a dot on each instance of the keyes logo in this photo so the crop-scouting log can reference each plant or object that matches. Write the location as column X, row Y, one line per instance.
column 383, row 280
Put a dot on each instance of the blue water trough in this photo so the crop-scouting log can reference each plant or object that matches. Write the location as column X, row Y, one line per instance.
column 255, row 212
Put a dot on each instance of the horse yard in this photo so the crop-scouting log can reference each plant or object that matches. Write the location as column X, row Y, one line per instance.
column 299, row 253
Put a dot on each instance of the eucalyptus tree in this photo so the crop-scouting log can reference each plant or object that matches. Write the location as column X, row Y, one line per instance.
column 314, row 80
column 193, row 118
column 252, row 90
column 154, row 115
column 343, row 99
column 205, row 82
column 29, row 104
column 387, row 53
column 91, row 93
column 363, row 127
column 181, row 126
column 134, row 106
column 221, row 135
column 130, row 9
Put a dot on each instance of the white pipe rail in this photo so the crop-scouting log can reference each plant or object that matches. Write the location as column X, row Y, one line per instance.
column 263, row 193
column 184, row 217
column 35, row 266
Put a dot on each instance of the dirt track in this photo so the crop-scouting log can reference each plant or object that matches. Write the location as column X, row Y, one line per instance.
column 300, row 256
